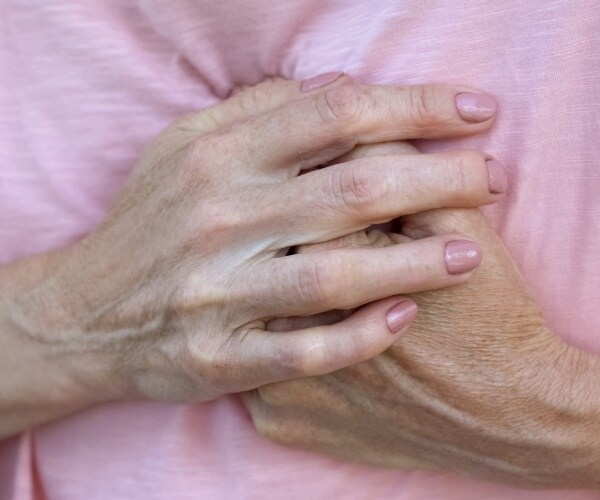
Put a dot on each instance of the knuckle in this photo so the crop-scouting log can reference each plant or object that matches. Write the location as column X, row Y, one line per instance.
column 357, row 190
column 202, row 150
column 314, row 282
column 422, row 101
column 305, row 358
column 206, row 362
column 341, row 105
column 219, row 219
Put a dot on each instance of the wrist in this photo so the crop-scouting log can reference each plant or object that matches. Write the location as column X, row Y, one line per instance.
column 49, row 367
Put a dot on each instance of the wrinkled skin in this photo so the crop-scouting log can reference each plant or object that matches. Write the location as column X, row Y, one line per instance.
column 479, row 384
column 168, row 297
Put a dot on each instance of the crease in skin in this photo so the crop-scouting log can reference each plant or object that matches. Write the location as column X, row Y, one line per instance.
column 415, row 391
column 424, row 444
column 472, row 460
column 499, row 450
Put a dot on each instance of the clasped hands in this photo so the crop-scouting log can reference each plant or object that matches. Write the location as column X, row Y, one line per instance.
column 220, row 269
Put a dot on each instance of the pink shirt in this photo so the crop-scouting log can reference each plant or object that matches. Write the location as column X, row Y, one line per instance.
column 85, row 84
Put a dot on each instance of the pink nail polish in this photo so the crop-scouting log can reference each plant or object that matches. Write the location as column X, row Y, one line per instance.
column 320, row 81
column 401, row 315
column 462, row 256
column 498, row 182
column 475, row 106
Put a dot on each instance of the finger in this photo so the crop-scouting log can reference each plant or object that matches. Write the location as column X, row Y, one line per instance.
column 337, row 200
column 370, row 238
column 253, row 100
column 299, row 322
column 379, row 149
column 308, row 132
column 311, row 283
column 275, row 356
column 367, row 150
column 470, row 222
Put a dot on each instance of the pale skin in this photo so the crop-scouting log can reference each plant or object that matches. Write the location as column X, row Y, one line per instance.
column 169, row 297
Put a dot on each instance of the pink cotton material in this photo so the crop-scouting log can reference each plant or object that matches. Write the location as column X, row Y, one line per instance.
column 84, row 85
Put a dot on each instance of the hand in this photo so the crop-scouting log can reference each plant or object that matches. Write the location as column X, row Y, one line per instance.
column 168, row 298
column 479, row 384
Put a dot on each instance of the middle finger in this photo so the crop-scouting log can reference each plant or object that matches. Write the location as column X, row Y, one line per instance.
column 338, row 200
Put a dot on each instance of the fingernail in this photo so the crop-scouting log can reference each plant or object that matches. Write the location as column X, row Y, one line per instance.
column 320, row 81
column 401, row 315
column 462, row 256
column 498, row 182
column 475, row 106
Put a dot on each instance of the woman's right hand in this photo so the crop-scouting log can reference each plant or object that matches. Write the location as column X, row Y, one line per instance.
column 168, row 298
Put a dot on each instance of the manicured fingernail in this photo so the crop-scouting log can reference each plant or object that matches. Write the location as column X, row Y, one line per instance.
column 320, row 81
column 475, row 106
column 462, row 256
column 498, row 182
column 401, row 315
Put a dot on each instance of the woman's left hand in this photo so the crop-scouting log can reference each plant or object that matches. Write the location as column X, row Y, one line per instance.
column 479, row 384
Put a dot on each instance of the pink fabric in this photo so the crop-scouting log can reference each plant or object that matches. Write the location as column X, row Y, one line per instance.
column 85, row 84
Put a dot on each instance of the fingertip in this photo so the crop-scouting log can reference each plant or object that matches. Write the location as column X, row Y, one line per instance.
column 497, row 178
column 400, row 315
column 462, row 256
column 475, row 107
column 319, row 81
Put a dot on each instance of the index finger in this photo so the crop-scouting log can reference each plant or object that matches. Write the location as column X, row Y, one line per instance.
column 309, row 132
